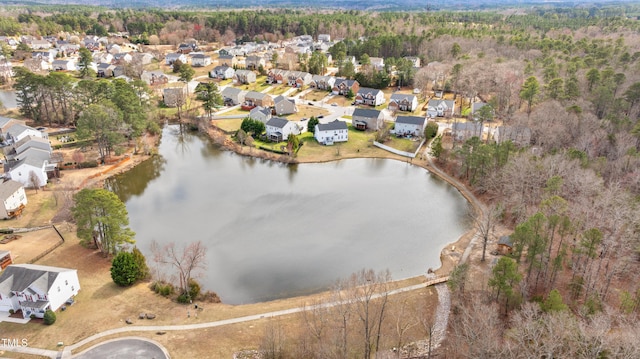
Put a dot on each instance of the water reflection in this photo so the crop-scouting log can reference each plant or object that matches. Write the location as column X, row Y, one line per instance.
column 274, row 230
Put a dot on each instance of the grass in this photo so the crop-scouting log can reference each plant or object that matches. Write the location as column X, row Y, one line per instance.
column 360, row 144
column 316, row 95
column 278, row 90
column 306, row 111
column 402, row 144
column 229, row 125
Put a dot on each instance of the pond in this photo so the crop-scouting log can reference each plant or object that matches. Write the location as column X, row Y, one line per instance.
column 274, row 230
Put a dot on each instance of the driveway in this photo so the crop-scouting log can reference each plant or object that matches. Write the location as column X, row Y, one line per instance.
column 131, row 347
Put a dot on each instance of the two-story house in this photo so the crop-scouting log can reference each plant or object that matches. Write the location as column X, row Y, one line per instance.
column 332, row 132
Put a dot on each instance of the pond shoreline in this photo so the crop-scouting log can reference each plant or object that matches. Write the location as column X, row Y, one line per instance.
column 450, row 256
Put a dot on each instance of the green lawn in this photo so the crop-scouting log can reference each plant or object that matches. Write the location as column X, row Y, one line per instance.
column 229, row 125
column 402, row 144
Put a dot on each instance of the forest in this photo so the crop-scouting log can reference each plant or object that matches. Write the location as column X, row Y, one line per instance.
column 570, row 77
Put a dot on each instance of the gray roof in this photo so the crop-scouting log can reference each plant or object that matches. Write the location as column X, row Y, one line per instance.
column 411, row 120
column 364, row 90
column 221, row 68
column 18, row 128
column 436, row 102
column 402, row 96
column 37, row 142
column 349, row 83
column 35, row 162
column 263, row 110
column 8, row 188
column 4, row 121
column 277, row 122
column 18, row 277
column 365, row 112
column 333, row 125
column 506, row 240
column 256, row 95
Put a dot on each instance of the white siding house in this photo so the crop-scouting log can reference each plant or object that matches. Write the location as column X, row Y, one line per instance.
column 369, row 96
column 34, row 288
column 410, row 125
column 19, row 131
column 13, row 197
column 279, row 129
column 332, row 132
column 21, row 171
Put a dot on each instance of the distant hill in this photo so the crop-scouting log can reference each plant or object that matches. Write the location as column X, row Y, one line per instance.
column 380, row 5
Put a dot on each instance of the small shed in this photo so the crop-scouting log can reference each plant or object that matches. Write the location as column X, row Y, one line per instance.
column 5, row 259
column 505, row 245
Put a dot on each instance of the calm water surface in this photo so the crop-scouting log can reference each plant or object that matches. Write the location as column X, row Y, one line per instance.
column 275, row 231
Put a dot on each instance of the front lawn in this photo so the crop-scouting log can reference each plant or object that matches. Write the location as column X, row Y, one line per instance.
column 316, row 95
column 228, row 125
column 403, row 144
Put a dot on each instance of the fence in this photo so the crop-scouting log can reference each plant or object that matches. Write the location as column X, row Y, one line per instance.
column 50, row 249
column 398, row 152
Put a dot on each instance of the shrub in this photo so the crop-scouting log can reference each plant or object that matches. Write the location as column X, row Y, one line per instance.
column 153, row 128
column 11, row 311
column 194, row 288
column 431, row 130
column 32, row 316
column 88, row 164
column 141, row 261
column 164, row 289
column 49, row 317
column 209, row 296
column 184, row 298
column 124, row 269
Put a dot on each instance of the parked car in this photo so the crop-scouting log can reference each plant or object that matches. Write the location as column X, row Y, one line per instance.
column 334, row 104
column 310, row 103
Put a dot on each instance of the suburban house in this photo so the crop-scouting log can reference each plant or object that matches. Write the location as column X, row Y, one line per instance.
column 253, row 62
column 233, row 96
column 39, row 44
column 410, row 125
column 29, row 171
column 322, row 82
column 414, row 60
column 244, row 77
column 377, row 63
column 463, row 131
column 5, row 259
column 13, row 198
column 122, row 58
column 200, row 60
column 253, row 98
column 298, row 78
column 47, row 56
column 367, row 119
column 105, row 69
column 505, row 245
column 222, row 72
column 174, row 96
column 143, row 58
column 6, row 123
column 27, row 146
column 519, row 135
column 324, row 37
column 276, row 76
column 63, row 65
column 284, row 106
column 32, row 289
column 440, row 108
column 100, row 57
column 369, row 96
column 342, row 87
column 170, row 58
column 262, row 114
column 229, row 60
column 403, row 102
column 279, row 129
column 187, row 48
column 113, row 49
column 18, row 131
column 153, row 78
column 332, row 132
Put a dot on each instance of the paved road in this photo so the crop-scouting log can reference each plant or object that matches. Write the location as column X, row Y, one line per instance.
column 125, row 348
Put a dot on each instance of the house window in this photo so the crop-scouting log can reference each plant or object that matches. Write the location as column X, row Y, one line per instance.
column 72, row 288
column 66, row 282
column 58, row 289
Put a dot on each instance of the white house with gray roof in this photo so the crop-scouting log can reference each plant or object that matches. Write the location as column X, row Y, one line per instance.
column 440, row 108
column 32, row 288
column 403, row 102
column 18, row 131
column 410, row 125
column 278, row 129
column 13, row 198
column 22, row 170
column 332, row 132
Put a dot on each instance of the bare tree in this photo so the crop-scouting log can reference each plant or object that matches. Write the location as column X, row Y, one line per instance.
column 485, row 222
column 34, row 180
column 185, row 261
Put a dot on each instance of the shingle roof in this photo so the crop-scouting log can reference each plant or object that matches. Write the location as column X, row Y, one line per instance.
column 411, row 120
column 365, row 112
column 8, row 188
column 277, row 122
column 333, row 125
column 18, row 277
